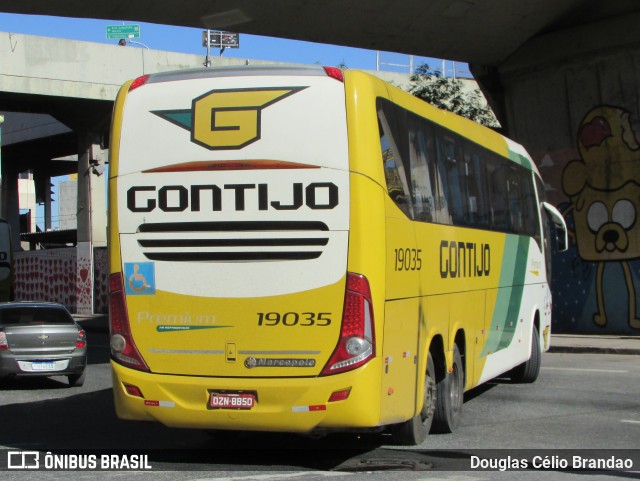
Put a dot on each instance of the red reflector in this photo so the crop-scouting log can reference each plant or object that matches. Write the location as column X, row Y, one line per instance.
column 133, row 390
column 139, row 82
column 256, row 164
column 335, row 73
column 339, row 395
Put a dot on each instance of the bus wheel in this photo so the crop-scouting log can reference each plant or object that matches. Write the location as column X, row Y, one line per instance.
column 449, row 397
column 415, row 430
column 528, row 371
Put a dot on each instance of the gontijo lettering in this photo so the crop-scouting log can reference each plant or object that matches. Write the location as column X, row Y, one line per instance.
column 178, row 198
column 464, row 259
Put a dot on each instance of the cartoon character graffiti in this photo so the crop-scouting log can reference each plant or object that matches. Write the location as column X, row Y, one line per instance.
column 604, row 189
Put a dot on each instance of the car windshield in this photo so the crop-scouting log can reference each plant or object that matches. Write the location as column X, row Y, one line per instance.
column 34, row 315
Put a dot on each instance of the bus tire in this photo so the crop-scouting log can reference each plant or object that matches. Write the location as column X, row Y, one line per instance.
column 415, row 430
column 528, row 371
column 450, row 397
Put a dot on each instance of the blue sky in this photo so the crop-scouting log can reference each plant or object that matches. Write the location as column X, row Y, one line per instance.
column 189, row 40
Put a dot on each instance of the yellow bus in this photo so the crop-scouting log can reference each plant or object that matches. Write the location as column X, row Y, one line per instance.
column 311, row 250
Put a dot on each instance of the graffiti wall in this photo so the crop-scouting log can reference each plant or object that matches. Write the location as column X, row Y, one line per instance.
column 100, row 280
column 52, row 275
column 588, row 152
column 46, row 275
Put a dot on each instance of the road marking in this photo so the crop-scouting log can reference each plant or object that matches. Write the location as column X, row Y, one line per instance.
column 629, row 421
column 585, row 370
column 262, row 477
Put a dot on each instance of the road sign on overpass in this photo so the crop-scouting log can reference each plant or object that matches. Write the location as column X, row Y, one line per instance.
column 123, row 31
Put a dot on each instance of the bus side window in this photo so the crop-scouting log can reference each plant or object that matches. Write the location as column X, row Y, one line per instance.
column 514, row 218
column 421, row 153
column 479, row 209
column 541, row 216
column 529, row 212
column 394, row 168
column 449, row 163
column 497, row 192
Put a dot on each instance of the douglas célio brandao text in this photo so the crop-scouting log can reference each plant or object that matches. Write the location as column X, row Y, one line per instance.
column 569, row 462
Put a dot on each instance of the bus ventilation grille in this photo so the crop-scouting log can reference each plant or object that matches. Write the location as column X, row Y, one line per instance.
column 233, row 241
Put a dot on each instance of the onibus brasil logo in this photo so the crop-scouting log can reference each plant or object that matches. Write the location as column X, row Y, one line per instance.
column 227, row 119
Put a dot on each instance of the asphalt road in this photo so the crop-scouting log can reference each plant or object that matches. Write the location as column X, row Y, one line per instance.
column 581, row 401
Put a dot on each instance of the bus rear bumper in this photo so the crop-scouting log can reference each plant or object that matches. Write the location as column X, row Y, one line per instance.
column 281, row 404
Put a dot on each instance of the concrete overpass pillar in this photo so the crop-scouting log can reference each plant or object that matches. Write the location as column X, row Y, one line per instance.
column 6, row 181
column 92, row 218
column 47, row 205
column 42, row 180
column 9, row 204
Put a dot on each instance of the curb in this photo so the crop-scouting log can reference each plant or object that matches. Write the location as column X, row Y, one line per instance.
column 594, row 350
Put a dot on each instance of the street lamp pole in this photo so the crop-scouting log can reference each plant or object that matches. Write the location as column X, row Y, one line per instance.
column 1, row 187
column 139, row 43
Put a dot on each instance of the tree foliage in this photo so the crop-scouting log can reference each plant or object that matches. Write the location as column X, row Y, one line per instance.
column 449, row 94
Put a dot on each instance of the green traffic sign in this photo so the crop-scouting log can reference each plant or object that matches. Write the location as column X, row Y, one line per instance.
column 123, row 31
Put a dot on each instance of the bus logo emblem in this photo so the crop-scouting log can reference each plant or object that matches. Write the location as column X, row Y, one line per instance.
column 252, row 362
column 227, row 119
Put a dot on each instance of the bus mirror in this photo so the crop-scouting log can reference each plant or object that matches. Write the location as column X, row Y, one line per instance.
column 561, row 227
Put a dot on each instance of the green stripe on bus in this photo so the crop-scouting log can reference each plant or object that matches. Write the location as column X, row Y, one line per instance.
column 515, row 301
column 505, row 315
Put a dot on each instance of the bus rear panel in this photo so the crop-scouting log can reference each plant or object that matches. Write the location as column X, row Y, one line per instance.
column 231, row 302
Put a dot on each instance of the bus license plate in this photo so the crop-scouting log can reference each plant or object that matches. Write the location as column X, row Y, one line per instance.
column 225, row 400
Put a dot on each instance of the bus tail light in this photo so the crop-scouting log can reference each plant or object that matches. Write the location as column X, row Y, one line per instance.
column 139, row 82
column 335, row 73
column 123, row 349
column 356, row 345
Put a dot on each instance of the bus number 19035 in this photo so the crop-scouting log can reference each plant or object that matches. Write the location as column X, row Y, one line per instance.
column 294, row 319
column 408, row 259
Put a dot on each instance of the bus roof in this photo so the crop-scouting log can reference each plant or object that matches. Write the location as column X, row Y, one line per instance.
column 236, row 71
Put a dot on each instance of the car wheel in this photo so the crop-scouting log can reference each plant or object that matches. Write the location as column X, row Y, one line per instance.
column 76, row 380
